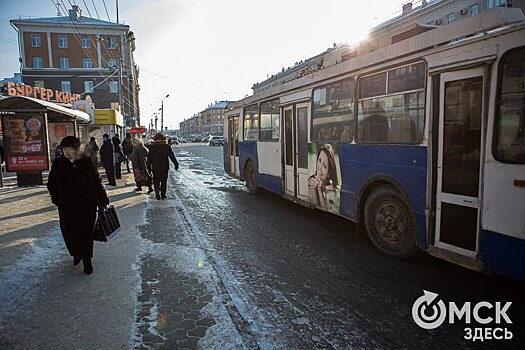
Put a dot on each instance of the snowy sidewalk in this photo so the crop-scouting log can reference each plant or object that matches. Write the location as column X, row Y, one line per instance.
column 45, row 302
column 152, row 286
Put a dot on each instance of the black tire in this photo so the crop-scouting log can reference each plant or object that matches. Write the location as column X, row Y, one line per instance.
column 251, row 178
column 389, row 223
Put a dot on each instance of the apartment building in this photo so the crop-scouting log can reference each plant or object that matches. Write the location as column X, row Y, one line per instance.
column 81, row 55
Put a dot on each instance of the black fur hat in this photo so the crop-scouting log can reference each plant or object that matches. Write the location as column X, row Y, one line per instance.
column 70, row 141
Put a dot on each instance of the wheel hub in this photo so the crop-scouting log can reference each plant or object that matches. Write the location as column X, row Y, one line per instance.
column 391, row 223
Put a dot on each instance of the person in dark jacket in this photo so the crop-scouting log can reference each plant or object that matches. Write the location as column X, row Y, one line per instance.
column 140, row 169
column 91, row 150
column 158, row 162
column 127, row 149
column 117, row 156
column 76, row 188
column 106, row 158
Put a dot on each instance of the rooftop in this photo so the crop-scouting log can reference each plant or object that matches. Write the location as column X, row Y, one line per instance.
column 67, row 21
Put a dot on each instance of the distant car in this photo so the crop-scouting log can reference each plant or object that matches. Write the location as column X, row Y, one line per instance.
column 216, row 140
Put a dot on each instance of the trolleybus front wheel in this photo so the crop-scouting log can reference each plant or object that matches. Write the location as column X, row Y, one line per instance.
column 389, row 223
column 251, row 178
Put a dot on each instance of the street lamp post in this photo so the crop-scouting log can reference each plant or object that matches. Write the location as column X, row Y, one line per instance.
column 162, row 113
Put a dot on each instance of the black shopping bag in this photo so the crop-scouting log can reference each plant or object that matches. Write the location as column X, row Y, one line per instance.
column 107, row 224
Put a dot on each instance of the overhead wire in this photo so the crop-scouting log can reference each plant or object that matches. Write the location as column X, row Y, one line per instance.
column 87, row 8
column 79, row 39
column 95, row 6
column 107, row 13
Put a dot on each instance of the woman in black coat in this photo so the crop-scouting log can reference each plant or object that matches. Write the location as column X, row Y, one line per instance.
column 75, row 188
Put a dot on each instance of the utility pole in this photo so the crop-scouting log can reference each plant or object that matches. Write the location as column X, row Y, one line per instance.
column 120, row 105
column 117, row 11
column 162, row 113
column 156, row 122
column 162, row 116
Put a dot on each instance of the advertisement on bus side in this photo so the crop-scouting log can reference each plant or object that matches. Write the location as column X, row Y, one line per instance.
column 324, row 182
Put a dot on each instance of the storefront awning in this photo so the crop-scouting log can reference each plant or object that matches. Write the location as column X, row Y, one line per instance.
column 29, row 104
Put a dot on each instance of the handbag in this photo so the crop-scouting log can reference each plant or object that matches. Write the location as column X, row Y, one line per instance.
column 139, row 176
column 107, row 224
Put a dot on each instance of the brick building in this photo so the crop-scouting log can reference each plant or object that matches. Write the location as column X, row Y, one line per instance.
column 81, row 55
column 207, row 122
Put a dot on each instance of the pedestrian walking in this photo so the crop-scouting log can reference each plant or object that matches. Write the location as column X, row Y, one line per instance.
column 127, row 149
column 117, row 156
column 76, row 189
column 140, row 169
column 91, row 150
column 158, row 163
column 106, row 158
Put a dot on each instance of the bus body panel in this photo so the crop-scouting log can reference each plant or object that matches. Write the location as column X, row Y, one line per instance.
column 269, row 158
column 226, row 157
column 270, row 183
column 405, row 164
column 503, row 254
column 247, row 151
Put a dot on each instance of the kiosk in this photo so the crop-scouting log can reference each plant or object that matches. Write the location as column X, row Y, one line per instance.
column 32, row 129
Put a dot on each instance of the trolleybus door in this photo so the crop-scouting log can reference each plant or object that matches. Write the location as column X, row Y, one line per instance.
column 289, row 151
column 296, row 151
column 233, row 144
column 459, row 162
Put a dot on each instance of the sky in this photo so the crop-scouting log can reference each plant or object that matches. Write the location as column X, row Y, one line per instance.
column 202, row 51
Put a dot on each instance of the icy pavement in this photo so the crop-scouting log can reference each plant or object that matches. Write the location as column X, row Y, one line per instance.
column 180, row 303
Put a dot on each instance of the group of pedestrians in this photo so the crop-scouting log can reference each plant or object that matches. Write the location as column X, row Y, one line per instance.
column 76, row 188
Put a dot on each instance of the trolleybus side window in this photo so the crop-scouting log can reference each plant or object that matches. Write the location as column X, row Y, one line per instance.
column 251, row 123
column 269, row 121
column 332, row 116
column 392, row 105
column 510, row 131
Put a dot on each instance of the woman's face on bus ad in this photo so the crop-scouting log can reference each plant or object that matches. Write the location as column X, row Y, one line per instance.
column 322, row 166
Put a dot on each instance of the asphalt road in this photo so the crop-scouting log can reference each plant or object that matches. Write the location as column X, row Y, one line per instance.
column 303, row 279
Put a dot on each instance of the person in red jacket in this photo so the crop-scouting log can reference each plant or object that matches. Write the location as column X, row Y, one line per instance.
column 158, row 163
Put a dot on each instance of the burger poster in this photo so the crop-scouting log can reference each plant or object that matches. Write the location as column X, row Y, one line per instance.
column 25, row 142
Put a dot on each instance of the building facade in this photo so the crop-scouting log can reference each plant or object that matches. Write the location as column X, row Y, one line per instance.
column 207, row 122
column 81, row 55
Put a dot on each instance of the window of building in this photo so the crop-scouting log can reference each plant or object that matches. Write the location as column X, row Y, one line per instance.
column 65, row 86
column 397, row 116
column 38, row 84
column 35, row 40
column 251, row 123
column 509, row 144
column 332, row 115
column 64, row 62
column 269, row 121
column 62, row 41
column 37, row 62
column 474, row 9
column 450, row 18
column 496, row 3
column 88, row 86
column 113, row 86
column 112, row 63
column 86, row 42
column 86, row 63
column 111, row 43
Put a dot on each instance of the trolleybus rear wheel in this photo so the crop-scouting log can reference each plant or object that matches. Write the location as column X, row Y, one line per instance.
column 389, row 223
column 251, row 178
